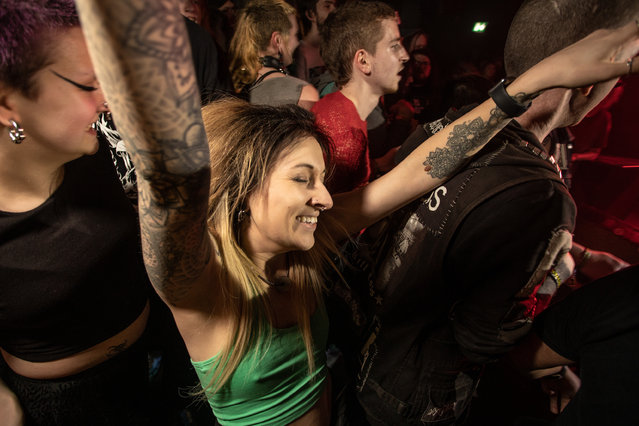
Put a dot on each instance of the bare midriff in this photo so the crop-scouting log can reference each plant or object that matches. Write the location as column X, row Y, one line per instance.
column 84, row 360
column 319, row 414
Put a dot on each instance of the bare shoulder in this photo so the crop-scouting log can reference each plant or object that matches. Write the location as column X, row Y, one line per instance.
column 308, row 97
column 309, row 93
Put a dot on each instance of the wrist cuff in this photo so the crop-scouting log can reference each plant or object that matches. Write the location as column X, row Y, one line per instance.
column 507, row 103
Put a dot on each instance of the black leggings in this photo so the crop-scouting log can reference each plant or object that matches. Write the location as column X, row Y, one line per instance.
column 115, row 392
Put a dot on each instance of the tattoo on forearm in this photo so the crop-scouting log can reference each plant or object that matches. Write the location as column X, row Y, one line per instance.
column 465, row 137
column 522, row 97
column 116, row 349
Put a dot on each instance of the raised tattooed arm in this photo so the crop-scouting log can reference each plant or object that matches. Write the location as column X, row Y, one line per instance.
column 142, row 58
column 463, row 139
column 599, row 57
column 425, row 168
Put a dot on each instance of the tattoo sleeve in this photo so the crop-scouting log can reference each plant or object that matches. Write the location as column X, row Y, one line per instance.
column 142, row 58
column 465, row 138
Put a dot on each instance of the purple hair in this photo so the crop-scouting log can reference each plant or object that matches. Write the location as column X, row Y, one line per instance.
column 25, row 29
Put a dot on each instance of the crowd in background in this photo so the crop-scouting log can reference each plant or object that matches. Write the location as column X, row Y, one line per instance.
column 144, row 282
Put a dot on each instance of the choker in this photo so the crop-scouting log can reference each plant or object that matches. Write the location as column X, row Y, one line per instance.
column 273, row 62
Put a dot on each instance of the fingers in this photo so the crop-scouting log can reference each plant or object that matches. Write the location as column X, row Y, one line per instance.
column 629, row 37
column 601, row 56
column 555, row 401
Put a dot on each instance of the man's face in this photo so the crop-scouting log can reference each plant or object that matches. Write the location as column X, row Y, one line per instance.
column 322, row 10
column 582, row 105
column 389, row 59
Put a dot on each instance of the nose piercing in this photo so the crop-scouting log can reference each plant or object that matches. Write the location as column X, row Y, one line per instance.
column 107, row 113
column 321, row 208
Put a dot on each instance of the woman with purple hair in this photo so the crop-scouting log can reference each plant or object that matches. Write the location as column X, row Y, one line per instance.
column 73, row 290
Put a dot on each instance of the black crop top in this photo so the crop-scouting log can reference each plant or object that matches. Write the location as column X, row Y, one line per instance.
column 71, row 270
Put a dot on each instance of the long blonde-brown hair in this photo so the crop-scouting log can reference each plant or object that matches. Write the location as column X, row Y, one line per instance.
column 246, row 141
column 256, row 23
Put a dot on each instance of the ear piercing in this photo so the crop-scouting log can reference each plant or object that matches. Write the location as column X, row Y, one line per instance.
column 242, row 215
column 16, row 133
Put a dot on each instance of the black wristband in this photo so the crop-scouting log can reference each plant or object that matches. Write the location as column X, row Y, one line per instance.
column 507, row 103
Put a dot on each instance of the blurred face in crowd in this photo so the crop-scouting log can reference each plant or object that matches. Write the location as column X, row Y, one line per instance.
column 188, row 8
column 389, row 58
column 228, row 10
column 420, row 42
column 421, row 67
column 291, row 43
column 322, row 10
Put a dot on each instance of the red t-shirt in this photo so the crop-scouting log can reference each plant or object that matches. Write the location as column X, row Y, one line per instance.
column 337, row 116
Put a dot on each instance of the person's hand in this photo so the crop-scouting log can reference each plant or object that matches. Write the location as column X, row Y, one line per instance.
column 601, row 56
column 10, row 410
column 386, row 162
column 596, row 264
column 402, row 110
column 560, row 388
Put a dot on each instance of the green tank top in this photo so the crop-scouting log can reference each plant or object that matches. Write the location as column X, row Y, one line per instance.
column 271, row 385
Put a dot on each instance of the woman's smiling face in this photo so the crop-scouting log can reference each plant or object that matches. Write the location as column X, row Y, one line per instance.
column 284, row 213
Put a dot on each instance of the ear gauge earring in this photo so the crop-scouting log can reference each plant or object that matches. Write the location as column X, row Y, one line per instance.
column 16, row 133
column 242, row 215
